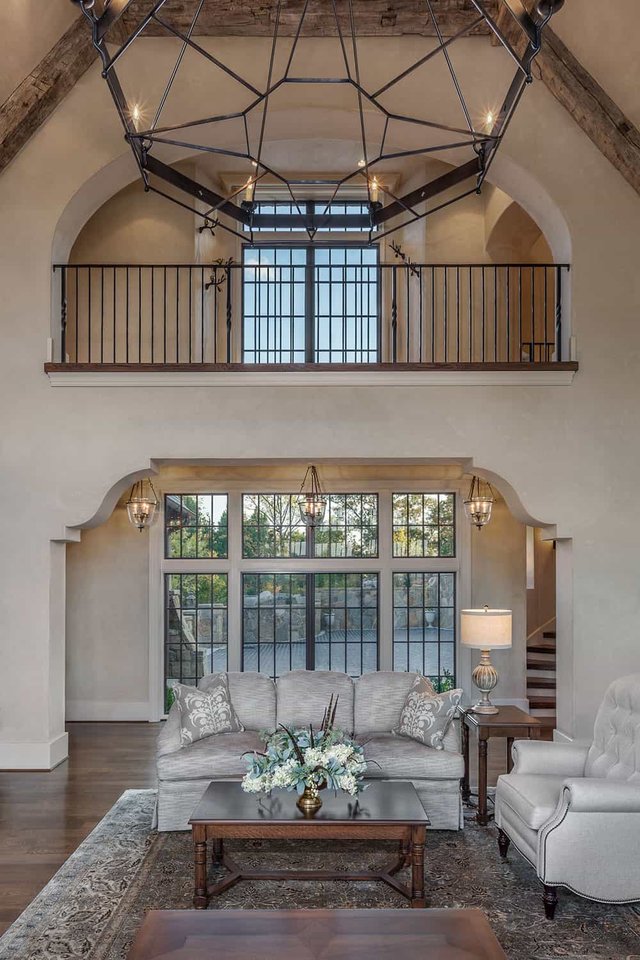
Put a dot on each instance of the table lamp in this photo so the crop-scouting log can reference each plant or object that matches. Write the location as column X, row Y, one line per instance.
column 485, row 630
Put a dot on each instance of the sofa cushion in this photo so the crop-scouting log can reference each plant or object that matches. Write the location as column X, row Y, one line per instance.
column 533, row 797
column 214, row 758
column 204, row 713
column 303, row 696
column 379, row 699
column 402, row 758
column 427, row 715
column 253, row 696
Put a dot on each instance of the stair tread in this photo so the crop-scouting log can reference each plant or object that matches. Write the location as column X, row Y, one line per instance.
column 542, row 646
column 543, row 683
column 537, row 703
column 549, row 634
column 534, row 663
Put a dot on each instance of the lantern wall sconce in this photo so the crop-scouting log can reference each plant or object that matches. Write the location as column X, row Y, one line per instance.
column 142, row 504
column 479, row 502
column 312, row 502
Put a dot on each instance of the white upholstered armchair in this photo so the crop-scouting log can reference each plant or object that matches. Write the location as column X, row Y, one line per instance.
column 574, row 811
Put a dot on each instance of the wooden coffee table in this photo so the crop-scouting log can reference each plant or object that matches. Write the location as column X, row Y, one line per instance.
column 314, row 934
column 385, row 811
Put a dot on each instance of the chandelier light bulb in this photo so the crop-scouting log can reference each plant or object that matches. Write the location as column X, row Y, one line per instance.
column 374, row 189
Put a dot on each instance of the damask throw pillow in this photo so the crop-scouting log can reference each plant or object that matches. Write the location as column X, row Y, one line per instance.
column 427, row 715
column 204, row 713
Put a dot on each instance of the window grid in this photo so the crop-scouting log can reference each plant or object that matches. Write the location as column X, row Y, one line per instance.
column 274, row 622
column 284, row 209
column 424, row 525
column 196, row 629
column 347, row 534
column 271, row 529
column 310, row 305
column 424, row 632
column 346, row 622
column 192, row 531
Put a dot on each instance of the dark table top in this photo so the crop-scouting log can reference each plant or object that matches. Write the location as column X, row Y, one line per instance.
column 381, row 802
column 506, row 716
column 314, row 934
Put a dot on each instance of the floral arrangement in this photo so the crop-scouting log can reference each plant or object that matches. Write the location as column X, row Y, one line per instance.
column 307, row 760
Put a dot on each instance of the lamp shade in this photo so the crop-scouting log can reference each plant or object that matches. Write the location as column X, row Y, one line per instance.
column 485, row 629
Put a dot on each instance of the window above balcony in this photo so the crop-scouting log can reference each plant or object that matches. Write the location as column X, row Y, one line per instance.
column 284, row 311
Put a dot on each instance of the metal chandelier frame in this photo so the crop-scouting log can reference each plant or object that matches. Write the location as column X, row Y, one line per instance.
column 380, row 220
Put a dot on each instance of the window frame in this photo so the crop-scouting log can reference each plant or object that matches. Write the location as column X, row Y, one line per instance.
column 385, row 565
column 310, row 344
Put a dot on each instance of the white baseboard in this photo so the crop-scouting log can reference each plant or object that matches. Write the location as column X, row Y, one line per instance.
column 522, row 704
column 107, row 710
column 38, row 755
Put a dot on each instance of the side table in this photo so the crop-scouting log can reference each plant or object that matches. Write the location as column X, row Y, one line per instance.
column 509, row 722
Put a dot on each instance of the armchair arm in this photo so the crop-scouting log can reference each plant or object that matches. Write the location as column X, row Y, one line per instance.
column 540, row 756
column 597, row 795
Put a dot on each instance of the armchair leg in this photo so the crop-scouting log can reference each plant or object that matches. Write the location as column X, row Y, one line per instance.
column 503, row 843
column 550, row 900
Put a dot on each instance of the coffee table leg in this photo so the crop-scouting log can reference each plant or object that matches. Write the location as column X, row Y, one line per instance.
column 200, row 899
column 417, row 867
column 482, row 815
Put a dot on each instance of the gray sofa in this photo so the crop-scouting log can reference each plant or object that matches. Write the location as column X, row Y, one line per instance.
column 369, row 706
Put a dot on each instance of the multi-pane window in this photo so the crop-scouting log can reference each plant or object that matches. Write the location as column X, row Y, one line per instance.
column 424, row 625
column 272, row 527
column 309, row 599
column 324, row 621
column 195, row 625
column 423, row 525
column 346, row 622
column 195, row 526
column 308, row 305
column 274, row 613
column 287, row 217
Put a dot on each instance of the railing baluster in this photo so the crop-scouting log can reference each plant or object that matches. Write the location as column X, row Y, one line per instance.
column 214, row 325
column 153, row 308
column 63, row 314
column 127, row 315
column 139, row 314
column 508, row 313
column 495, row 314
column 433, row 314
column 470, row 313
column 229, row 312
column 394, row 314
column 558, row 314
column 545, row 319
column 420, row 314
column 164, row 314
column 484, row 310
column 101, row 314
column 89, row 317
column 520, row 344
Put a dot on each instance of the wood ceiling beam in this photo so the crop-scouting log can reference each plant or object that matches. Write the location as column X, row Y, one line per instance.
column 582, row 96
column 373, row 18
column 39, row 94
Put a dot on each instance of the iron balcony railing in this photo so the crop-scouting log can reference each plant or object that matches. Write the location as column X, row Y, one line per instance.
column 336, row 314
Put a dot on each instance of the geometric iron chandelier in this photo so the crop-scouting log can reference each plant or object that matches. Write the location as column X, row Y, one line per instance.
column 209, row 106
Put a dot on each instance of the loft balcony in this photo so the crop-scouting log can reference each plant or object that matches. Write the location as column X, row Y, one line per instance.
column 296, row 316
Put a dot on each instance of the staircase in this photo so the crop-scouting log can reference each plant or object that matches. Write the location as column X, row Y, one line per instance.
column 541, row 677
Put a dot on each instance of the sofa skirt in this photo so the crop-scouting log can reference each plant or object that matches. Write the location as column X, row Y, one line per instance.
column 177, row 799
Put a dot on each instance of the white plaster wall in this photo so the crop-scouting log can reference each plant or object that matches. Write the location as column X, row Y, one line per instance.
column 569, row 452
column 107, row 660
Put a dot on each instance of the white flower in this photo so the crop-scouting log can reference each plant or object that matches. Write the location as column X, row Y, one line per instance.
column 260, row 784
column 314, row 757
column 340, row 752
column 348, row 783
column 283, row 776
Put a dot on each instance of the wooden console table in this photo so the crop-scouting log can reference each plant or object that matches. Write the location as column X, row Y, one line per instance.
column 509, row 722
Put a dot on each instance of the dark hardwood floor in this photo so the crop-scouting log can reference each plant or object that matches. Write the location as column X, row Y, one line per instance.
column 45, row 816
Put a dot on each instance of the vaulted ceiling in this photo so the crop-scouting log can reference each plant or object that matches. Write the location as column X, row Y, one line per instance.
column 590, row 62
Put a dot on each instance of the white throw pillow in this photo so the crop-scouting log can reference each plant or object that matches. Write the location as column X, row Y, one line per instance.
column 204, row 713
column 427, row 715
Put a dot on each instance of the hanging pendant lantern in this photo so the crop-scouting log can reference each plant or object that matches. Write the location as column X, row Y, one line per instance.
column 312, row 502
column 142, row 504
column 479, row 502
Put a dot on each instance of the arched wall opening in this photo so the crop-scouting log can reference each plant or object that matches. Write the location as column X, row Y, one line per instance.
column 118, row 579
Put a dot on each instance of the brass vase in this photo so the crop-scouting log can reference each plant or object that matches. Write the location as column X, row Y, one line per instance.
column 309, row 802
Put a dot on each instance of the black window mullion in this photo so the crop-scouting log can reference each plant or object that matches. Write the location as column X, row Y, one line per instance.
column 309, row 313
column 311, row 621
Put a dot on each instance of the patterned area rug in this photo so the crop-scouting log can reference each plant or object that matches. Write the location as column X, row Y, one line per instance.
column 93, row 906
